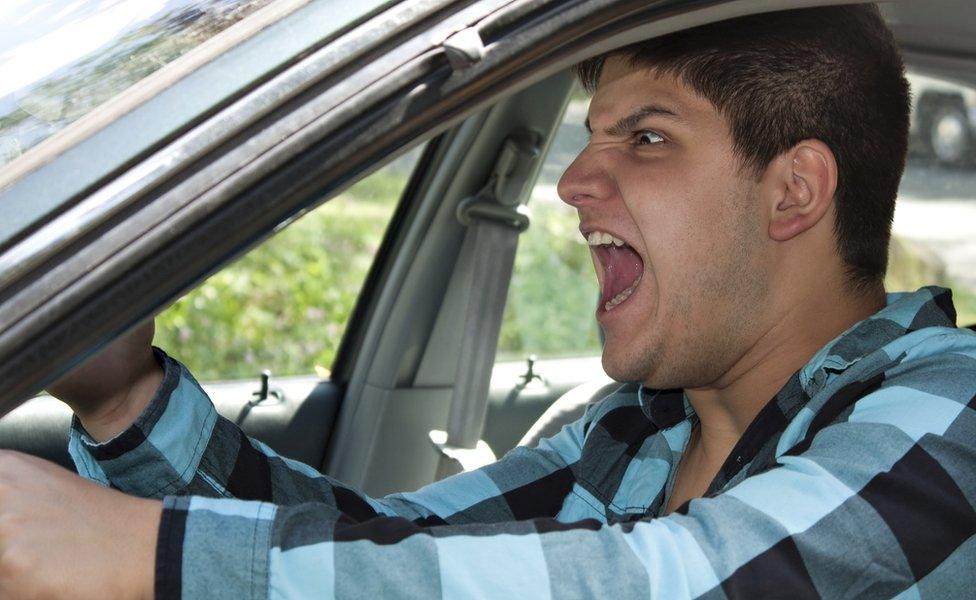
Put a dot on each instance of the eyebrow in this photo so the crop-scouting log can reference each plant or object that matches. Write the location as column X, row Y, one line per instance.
column 627, row 124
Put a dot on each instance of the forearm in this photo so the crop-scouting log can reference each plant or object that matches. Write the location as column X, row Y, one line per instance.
column 179, row 445
column 796, row 530
column 160, row 452
column 109, row 390
column 312, row 551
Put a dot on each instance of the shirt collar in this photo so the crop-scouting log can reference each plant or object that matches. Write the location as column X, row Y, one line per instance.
column 903, row 313
column 664, row 408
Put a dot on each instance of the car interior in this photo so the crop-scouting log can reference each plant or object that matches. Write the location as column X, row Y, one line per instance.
column 369, row 418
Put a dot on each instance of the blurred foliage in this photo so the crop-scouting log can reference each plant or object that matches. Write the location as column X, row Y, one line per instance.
column 910, row 267
column 284, row 305
column 965, row 302
column 553, row 295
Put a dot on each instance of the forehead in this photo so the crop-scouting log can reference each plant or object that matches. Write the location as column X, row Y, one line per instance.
column 624, row 88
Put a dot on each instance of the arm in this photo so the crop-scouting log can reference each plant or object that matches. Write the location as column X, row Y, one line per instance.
column 180, row 446
column 866, row 505
column 58, row 530
column 871, row 506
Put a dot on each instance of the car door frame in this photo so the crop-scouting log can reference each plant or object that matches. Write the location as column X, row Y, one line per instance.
column 169, row 219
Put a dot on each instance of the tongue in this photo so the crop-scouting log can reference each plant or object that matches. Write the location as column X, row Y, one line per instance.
column 621, row 268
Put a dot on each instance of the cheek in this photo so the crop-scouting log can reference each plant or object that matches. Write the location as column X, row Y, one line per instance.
column 677, row 228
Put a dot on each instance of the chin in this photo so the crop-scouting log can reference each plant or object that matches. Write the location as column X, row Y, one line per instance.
column 626, row 367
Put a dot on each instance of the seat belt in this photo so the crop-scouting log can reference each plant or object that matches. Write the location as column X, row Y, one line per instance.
column 494, row 219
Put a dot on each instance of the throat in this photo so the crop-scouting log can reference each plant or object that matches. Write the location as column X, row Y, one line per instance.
column 695, row 473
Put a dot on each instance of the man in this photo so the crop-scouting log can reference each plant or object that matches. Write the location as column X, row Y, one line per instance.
column 797, row 433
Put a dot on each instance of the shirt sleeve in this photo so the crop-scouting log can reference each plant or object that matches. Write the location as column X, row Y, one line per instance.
column 869, row 499
column 181, row 446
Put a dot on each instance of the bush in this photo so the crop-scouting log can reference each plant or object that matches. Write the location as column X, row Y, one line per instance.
column 284, row 305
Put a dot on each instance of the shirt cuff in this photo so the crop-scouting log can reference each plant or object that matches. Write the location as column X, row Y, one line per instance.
column 159, row 452
column 213, row 548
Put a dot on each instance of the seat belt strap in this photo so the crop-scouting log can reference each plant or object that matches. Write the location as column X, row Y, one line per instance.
column 494, row 219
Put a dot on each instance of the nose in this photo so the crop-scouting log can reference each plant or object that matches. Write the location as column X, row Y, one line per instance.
column 584, row 181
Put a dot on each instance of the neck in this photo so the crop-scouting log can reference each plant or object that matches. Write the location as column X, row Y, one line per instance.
column 727, row 406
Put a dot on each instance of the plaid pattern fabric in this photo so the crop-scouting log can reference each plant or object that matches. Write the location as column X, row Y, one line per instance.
column 858, row 479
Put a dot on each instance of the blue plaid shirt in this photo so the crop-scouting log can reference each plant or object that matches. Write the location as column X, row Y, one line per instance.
column 858, row 479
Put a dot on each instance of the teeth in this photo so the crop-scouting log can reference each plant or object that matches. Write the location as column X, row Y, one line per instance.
column 613, row 302
column 602, row 238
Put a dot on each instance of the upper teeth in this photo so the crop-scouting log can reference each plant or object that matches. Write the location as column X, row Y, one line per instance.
column 600, row 238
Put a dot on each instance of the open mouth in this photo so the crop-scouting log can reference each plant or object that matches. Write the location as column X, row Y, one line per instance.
column 619, row 269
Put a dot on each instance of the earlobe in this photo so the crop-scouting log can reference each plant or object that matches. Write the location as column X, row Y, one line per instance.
column 809, row 181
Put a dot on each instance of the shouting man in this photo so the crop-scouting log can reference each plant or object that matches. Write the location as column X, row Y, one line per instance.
column 790, row 431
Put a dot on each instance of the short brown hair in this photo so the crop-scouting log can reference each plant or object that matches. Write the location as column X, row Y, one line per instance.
column 833, row 74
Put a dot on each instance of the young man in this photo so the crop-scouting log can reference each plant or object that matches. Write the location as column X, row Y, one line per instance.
column 793, row 432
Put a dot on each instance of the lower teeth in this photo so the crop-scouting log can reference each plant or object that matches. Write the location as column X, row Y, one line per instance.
column 616, row 300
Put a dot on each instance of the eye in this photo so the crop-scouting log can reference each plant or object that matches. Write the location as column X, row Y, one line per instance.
column 648, row 138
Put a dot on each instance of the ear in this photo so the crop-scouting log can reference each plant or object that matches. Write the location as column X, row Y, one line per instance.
column 804, row 180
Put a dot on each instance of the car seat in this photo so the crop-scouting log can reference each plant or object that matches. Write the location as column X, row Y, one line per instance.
column 568, row 408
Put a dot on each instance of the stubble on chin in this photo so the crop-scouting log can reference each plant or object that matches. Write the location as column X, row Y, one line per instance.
column 628, row 365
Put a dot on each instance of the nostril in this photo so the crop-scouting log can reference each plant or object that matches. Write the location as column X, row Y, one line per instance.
column 575, row 199
column 584, row 181
column 564, row 189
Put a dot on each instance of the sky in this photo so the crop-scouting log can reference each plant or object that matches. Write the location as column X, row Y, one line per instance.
column 37, row 37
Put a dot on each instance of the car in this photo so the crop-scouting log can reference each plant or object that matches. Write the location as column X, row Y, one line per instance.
column 943, row 121
column 135, row 203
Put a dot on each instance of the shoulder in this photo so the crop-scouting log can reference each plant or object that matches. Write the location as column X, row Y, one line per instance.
column 938, row 361
column 922, row 387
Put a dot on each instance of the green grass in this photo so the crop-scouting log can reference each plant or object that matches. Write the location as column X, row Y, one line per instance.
column 553, row 294
column 965, row 301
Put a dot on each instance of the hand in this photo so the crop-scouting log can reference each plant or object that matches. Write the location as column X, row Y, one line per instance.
column 62, row 536
column 109, row 391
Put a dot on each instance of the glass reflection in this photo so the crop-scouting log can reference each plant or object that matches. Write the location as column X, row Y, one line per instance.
column 59, row 59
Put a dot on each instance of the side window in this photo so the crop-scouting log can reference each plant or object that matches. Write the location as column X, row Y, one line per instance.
column 934, row 231
column 553, row 294
column 284, row 306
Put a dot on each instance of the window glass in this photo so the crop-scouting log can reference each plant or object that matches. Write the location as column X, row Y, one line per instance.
column 284, row 306
column 551, row 306
column 934, row 232
column 59, row 59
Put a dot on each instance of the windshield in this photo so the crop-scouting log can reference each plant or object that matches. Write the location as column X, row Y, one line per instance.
column 59, row 59
column 116, row 79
